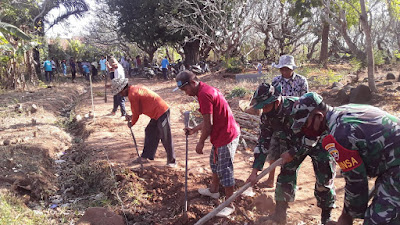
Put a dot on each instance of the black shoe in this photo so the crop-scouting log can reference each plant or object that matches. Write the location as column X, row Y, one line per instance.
column 326, row 216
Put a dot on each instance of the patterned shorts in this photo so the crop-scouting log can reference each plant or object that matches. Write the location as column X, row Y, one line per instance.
column 221, row 162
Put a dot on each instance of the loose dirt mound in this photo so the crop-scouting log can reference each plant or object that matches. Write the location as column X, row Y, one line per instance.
column 157, row 197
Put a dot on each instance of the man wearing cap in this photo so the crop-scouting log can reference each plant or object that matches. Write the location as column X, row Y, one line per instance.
column 292, row 83
column 147, row 102
column 276, row 120
column 220, row 125
column 117, row 72
column 365, row 142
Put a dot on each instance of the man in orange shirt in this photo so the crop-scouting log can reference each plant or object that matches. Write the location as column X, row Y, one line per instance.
column 146, row 101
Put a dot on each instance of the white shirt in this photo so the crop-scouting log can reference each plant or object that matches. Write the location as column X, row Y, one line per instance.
column 119, row 72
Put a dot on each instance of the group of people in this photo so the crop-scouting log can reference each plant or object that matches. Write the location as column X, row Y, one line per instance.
column 85, row 68
column 363, row 140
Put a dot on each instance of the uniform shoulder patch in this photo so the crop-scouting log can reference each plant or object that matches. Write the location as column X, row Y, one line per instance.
column 345, row 158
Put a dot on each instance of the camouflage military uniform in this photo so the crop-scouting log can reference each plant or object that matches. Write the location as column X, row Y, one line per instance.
column 373, row 138
column 324, row 167
column 365, row 141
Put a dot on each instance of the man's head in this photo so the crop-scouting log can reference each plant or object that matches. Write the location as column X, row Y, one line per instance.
column 113, row 62
column 119, row 85
column 102, row 56
column 310, row 115
column 266, row 98
column 187, row 82
column 286, row 65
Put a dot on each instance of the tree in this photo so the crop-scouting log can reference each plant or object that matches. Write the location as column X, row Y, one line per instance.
column 14, row 43
column 368, row 47
column 353, row 12
column 143, row 22
column 32, row 16
column 282, row 31
column 219, row 25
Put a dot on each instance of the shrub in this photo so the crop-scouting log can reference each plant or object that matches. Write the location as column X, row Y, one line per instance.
column 238, row 92
column 356, row 64
column 379, row 58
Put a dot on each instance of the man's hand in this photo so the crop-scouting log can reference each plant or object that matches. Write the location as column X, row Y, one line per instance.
column 252, row 178
column 130, row 124
column 189, row 131
column 199, row 147
column 128, row 117
column 286, row 157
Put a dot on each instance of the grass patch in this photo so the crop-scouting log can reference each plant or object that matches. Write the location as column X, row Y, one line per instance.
column 91, row 177
column 13, row 211
column 99, row 94
column 238, row 92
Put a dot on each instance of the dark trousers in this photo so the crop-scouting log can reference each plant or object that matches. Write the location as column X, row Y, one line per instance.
column 48, row 74
column 119, row 101
column 164, row 71
column 73, row 72
column 156, row 130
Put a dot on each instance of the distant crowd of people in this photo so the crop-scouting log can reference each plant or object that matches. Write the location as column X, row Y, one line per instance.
column 85, row 68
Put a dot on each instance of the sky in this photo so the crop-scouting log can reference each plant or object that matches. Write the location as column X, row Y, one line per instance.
column 72, row 26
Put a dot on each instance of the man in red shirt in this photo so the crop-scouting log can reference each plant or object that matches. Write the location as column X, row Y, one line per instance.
column 145, row 101
column 220, row 125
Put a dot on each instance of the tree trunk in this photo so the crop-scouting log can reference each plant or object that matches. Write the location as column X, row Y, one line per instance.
column 368, row 47
column 36, row 58
column 312, row 49
column 191, row 50
column 323, row 57
column 151, row 55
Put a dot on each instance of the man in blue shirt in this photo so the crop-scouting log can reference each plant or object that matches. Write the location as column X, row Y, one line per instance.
column 86, row 70
column 164, row 66
column 47, row 70
column 102, row 63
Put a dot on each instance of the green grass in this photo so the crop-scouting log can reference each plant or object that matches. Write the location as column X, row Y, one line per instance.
column 13, row 211
column 238, row 92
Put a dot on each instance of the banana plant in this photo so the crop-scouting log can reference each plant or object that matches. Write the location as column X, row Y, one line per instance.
column 9, row 29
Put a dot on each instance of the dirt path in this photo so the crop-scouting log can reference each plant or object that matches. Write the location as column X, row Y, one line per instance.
column 113, row 139
column 90, row 147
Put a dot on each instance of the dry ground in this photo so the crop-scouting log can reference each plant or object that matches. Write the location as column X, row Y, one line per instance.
column 72, row 165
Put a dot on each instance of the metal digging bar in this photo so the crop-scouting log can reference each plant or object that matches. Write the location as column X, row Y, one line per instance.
column 237, row 193
column 137, row 151
column 186, row 116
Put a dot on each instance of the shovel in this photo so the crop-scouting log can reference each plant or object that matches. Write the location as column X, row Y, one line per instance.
column 237, row 193
column 137, row 151
column 186, row 116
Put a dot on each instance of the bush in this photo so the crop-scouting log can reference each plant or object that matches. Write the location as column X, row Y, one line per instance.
column 233, row 65
column 356, row 64
column 234, row 70
column 379, row 58
column 238, row 92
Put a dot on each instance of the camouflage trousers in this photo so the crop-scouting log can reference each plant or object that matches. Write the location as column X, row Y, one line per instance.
column 385, row 207
column 324, row 169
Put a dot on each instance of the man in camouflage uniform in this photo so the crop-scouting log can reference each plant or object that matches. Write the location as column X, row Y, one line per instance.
column 276, row 119
column 365, row 141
